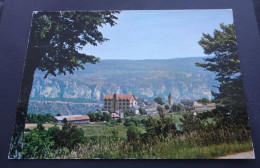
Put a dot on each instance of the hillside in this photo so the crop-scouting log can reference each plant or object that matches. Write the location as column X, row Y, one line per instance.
column 143, row 78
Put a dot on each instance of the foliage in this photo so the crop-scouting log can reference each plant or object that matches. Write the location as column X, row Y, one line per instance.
column 192, row 145
column 226, row 64
column 158, row 128
column 132, row 132
column 37, row 144
column 111, row 123
column 57, row 37
column 128, row 113
column 159, row 108
column 40, row 118
column 167, row 107
column 190, row 122
column 131, row 120
column 40, row 127
column 161, row 140
column 119, row 121
column 142, row 111
column 204, row 101
column 99, row 116
column 176, row 108
column 158, row 100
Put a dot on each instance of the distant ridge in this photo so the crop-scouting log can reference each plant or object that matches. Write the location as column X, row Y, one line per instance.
column 143, row 78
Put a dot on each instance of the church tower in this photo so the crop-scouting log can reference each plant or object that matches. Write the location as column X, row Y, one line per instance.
column 170, row 99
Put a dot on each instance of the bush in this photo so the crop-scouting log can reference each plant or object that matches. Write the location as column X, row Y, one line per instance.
column 132, row 132
column 98, row 116
column 133, row 120
column 142, row 111
column 40, row 118
column 190, row 122
column 37, row 144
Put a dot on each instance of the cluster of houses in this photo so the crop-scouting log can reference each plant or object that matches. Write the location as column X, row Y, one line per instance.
column 194, row 105
column 117, row 104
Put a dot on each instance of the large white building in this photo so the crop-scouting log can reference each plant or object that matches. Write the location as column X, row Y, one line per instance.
column 119, row 102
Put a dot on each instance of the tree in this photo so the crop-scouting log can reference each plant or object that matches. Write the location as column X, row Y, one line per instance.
column 142, row 111
column 167, row 107
column 132, row 132
column 106, row 116
column 129, row 113
column 119, row 120
column 159, row 100
column 203, row 101
column 92, row 116
column 176, row 107
column 226, row 64
column 54, row 44
column 189, row 122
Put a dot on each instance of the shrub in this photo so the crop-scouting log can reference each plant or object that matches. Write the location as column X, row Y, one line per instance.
column 37, row 144
column 132, row 132
column 40, row 118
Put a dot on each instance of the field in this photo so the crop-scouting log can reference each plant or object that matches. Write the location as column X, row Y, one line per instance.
column 101, row 129
column 31, row 126
column 101, row 144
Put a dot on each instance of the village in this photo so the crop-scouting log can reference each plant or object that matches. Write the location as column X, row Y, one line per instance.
column 117, row 106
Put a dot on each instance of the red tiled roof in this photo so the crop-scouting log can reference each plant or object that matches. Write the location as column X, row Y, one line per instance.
column 77, row 118
column 119, row 96
column 114, row 115
column 211, row 104
column 199, row 105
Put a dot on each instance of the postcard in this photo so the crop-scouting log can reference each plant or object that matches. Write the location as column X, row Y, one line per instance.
column 132, row 84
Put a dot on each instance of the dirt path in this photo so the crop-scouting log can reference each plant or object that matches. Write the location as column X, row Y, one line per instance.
column 243, row 155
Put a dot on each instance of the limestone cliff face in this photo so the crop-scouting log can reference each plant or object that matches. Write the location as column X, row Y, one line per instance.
column 145, row 79
column 54, row 88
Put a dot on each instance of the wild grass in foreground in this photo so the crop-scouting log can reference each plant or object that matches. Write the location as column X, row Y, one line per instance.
column 171, row 148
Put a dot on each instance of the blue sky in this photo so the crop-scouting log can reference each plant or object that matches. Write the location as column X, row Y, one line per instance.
column 158, row 34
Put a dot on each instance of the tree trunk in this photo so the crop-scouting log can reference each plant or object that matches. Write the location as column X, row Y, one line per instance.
column 21, row 113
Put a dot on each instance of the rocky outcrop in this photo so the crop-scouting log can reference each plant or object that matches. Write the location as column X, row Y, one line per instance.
column 147, row 79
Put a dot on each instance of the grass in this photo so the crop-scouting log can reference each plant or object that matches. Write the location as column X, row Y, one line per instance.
column 196, row 145
column 177, row 148
column 99, row 130
column 31, row 126
column 170, row 150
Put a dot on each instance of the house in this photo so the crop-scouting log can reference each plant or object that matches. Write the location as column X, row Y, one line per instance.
column 114, row 116
column 78, row 119
column 198, row 106
column 135, row 109
column 194, row 105
column 188, row 104
column 119, row 102
column 59, row 119
column 151, row 109
column 211, row 106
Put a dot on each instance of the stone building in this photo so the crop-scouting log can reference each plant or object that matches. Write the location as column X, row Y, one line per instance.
column 119, row 102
